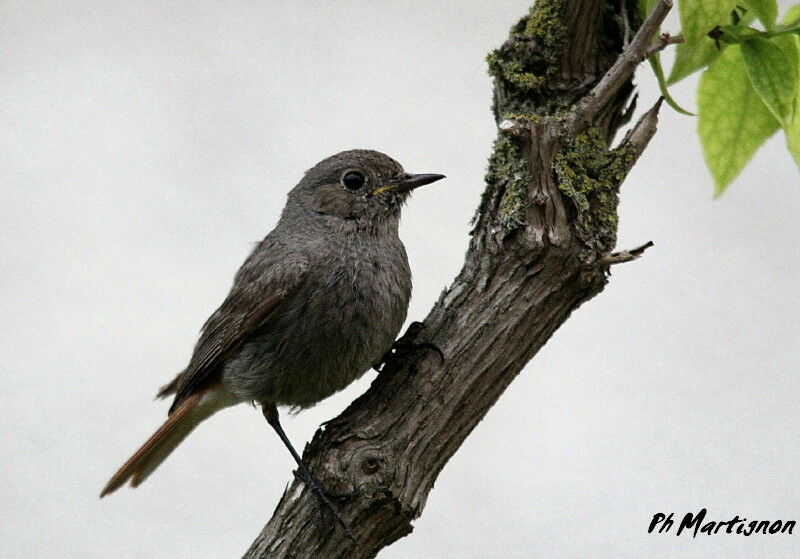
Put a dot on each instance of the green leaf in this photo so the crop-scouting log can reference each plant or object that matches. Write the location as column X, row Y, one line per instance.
column 791, row 44
column 792, row 131
column 765, row 10
column 732, row 121
column 655, row 62
column 772, row 74
column 792, row 17
column 735, row 34
column 698, row 17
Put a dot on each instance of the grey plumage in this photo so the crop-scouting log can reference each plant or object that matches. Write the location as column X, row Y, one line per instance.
column 314, row 306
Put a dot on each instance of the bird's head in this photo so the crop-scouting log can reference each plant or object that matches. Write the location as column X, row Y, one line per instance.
column 358, row 185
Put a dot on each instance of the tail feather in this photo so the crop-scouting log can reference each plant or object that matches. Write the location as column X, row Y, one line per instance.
column 188, row 415
column 171, row 387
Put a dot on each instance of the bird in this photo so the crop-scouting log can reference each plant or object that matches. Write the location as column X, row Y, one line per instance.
column 316, row 304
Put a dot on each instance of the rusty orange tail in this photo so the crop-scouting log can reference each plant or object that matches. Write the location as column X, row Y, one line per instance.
column 188, row 415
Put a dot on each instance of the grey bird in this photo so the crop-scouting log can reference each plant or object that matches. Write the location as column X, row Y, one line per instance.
column 315, row 305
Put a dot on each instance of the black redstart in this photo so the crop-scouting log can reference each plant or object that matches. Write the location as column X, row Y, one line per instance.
column 314, row 306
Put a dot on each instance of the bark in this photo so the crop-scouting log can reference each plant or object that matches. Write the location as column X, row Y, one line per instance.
column 541, row 246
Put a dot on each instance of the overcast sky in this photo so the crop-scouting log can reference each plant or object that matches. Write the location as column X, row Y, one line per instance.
column 144, row 146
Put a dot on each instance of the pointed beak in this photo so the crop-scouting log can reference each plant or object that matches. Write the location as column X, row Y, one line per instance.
column 407, row 183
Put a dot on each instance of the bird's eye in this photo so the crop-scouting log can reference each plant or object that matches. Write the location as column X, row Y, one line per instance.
column 353, row 180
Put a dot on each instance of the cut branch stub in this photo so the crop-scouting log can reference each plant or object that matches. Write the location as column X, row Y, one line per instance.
column 541, row 243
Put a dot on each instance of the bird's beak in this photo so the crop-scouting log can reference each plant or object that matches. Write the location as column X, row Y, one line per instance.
column 407, row 183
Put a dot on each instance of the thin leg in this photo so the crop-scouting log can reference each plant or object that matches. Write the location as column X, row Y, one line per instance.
column 271, row 415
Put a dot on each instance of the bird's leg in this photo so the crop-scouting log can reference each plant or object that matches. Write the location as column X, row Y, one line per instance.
column 271, row 414
column 406, row 344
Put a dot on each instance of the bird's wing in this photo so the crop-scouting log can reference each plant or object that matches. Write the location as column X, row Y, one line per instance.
column 257, row 291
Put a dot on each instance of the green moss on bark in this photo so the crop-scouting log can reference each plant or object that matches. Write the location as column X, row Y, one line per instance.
column 527, row 61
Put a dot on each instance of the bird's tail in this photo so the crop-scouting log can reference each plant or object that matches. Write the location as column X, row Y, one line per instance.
column 188, row 415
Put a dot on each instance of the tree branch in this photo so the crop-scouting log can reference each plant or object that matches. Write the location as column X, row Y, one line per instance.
column 541, row 245
column 638, row 137
column 636, row 52
column 625, row 255
column 663, row 42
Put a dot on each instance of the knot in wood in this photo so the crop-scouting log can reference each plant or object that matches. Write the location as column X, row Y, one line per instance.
column 370, row 465
column 368, row 469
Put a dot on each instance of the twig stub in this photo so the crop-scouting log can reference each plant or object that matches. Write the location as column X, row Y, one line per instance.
column 625, row 255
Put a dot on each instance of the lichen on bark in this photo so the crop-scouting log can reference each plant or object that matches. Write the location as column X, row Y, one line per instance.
column 589, row 174
column 509, row 176
column 527, row 61
column 530, row 90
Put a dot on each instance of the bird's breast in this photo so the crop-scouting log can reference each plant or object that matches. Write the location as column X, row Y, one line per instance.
column 350, row 308
column 358, row 304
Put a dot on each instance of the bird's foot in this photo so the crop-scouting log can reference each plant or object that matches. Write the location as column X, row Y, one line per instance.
column 324, row 501
column 405, row 344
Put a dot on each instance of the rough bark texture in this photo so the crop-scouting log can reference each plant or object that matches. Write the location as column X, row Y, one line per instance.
column 541, row 246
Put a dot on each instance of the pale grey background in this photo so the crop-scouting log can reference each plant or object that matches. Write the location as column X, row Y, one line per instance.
column 144, row 146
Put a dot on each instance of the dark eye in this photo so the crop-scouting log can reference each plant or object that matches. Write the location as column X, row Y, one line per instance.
column 353, row 180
